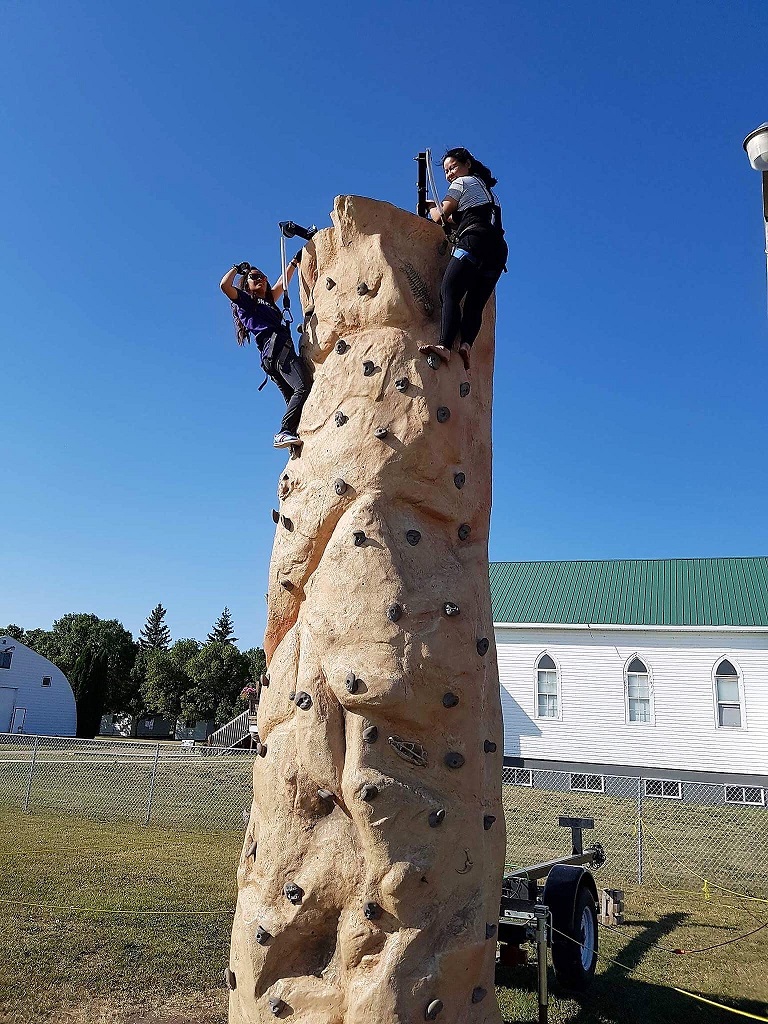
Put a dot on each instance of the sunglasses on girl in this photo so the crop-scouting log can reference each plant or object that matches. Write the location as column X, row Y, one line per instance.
column 255, row 276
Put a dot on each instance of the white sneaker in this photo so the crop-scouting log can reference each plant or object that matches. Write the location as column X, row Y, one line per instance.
column 285, row 440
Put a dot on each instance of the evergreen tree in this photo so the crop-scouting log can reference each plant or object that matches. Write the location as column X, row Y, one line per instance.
column 223, row 630
column 155, row 635
column 15, row 631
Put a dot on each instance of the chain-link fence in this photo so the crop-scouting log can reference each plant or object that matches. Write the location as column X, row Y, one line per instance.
column 684, row 835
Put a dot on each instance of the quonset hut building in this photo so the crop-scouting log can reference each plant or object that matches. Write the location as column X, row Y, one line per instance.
column 35, row 695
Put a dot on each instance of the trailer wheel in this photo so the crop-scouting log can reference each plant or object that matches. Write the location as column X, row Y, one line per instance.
column 574, row 957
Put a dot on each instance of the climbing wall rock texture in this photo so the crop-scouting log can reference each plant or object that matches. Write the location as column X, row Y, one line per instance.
column 371, row 869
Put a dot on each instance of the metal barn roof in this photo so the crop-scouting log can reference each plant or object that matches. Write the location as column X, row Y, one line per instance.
column 635, row 591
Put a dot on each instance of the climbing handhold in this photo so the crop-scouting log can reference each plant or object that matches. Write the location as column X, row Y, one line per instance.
column 251, row 851
column 380, row 432
column 362, row 288
column 402, row 384
column 340, row 419
column 287, row 584
column 229, row 979
column 454, row 759
column 450, row 700
column 330, row 283
column 265, row 679
column 369, row 792
column 276, row 1006
column 359, row 536
column 261, row 749
column 303, row 700
column 352, row 682
column 464, row 531
column 434, row 361
column 275, row 516
column 482, row 646
column 309, row 311
column 488, row 821
column 413, row 537
column 293, row 893
column 490, row 931
column 464, row 388
column 451, row 609
column 434, row 1008
column 443, row 414
column 371, row 734
column 262, row 936
column 394, row 612
column 478, row 994
column 372, row 911
column 436, row 817
column 410, row 751
column 325, row 794
column 287, row 523
column 489, row 747
column 340, row 486
column 368, row 367
column 459, row 480
column 341, row 346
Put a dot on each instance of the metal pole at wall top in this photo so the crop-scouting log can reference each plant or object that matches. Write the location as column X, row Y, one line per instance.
column 31, row 773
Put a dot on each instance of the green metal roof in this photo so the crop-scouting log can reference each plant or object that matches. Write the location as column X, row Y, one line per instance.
column 636, row 591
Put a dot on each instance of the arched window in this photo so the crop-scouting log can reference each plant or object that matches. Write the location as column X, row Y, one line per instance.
column 638, row 692
column 727, row 696
column 546, row 688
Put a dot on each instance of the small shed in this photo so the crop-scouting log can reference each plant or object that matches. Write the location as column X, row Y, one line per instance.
column 35, row 695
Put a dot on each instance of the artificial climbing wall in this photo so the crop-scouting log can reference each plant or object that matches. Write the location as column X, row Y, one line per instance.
column 370, row 874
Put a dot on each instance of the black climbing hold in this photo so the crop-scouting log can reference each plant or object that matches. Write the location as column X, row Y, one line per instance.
column 454, row 759
column 275, row 516
column 479, row 994
column 293, row 893
column 265, row 679
column 262, row 936
column 434, row 1008
column 488, row 821
column 261, row 749
column 300, row 328
column 450, row 700
column 362, row 288
column 372, row 911
column 443, row 414
column 303, row 700
column 459, row 479
column 330, row 283
column 251, row 851
column 359, row 536
column 340, row 486
column 450, row 608
column 369, row 792
column 380, row 432
column 341, row 346
column 394, row 612
column 352, row 682
column 229, row 979
column 276, row 1006
column 340, row 419
column 287, row 523
column 464, row 388
column 368, row 367
column 489, row 747
column 325, row 794
column 464, row 531
column 482, row 646
column 490, row 931
column 436, row 817
column 433, row 361
column 371, row 734
column 413, row 537
column 402, row 384
column 287, row 584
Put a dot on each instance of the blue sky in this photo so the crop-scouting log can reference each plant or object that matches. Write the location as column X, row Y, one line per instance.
column 147, row 147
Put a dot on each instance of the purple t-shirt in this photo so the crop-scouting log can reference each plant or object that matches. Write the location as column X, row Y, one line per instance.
column 259, row 316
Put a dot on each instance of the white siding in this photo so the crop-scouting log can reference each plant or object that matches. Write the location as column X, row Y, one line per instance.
column 593, row 725
column 50, row 710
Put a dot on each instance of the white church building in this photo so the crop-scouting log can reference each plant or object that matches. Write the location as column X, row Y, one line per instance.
column 636, row 667
column 35, row 695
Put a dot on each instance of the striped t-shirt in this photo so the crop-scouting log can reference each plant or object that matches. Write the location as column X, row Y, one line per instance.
column 470, row 191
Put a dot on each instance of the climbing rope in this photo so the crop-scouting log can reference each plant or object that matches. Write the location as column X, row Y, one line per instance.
column 287, row 315
column 433, row 186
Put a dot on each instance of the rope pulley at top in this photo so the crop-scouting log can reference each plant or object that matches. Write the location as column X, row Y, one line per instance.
column 289, row 229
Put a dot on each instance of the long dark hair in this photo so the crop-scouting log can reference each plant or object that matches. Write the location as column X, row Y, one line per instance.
column 475, row 167
column 241, row 331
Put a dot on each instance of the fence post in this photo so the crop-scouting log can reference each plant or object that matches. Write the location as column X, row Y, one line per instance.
column 152, row 785
column 639, row 831
column 31, row 773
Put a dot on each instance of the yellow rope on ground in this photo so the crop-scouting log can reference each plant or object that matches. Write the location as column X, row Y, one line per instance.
column 103, row 910
column 720, row 1006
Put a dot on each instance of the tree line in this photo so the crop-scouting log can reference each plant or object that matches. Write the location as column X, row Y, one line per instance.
column 111, row 673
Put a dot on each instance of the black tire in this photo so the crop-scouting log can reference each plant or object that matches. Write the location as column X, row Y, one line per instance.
column 574, row 953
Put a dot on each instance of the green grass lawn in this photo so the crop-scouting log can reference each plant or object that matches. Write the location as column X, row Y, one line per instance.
column 65, row 966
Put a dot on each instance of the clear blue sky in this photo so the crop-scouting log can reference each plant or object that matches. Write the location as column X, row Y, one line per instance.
column 147, row 147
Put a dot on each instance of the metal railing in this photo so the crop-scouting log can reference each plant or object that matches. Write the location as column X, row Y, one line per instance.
column 233, row 732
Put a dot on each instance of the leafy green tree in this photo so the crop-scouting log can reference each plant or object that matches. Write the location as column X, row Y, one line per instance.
column 89, row 684
column 166, row 677
column 155, row 633
column 257, row 662
column 218, row 673
column 15, row 631
column 223, row 630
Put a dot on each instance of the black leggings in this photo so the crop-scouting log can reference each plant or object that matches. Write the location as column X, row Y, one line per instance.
column 292, row 377
column 466, row 279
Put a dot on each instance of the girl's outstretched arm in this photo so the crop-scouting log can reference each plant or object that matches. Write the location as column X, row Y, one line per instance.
column 227, row 284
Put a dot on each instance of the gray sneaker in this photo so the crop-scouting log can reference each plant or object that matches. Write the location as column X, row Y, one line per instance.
column 285, row 440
